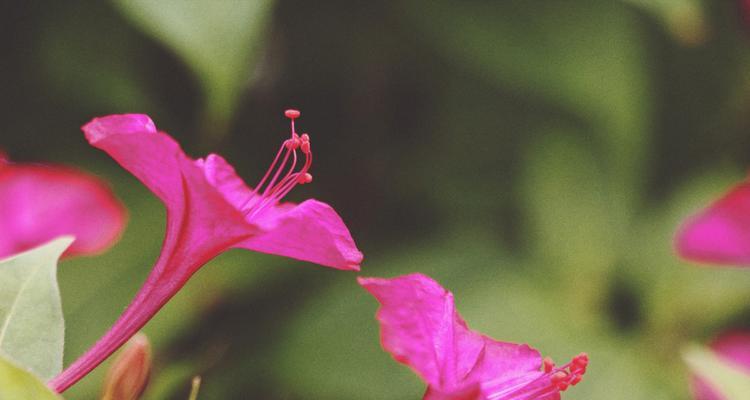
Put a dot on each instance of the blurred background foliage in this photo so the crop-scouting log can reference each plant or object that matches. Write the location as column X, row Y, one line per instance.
column 534, row 157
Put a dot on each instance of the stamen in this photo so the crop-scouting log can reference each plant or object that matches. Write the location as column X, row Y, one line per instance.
column 269, row 193
column 560, row 379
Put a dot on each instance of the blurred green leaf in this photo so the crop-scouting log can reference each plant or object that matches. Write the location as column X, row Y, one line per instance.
column 685, row 20
column 219, row 40
column 732, row 382
column 32, row 329
column 96, row 74
column 578, row 219
column 555, row 51
column 17, row 384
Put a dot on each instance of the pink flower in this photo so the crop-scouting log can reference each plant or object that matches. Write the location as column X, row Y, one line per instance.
column 210, row 210
column 40, row 202
column 732, row 347
column 421, row 328
column 719, row 234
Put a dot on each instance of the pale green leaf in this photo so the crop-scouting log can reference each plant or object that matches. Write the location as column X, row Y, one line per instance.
column 31, row 320
column 217, row 39
column 17, row 384
column 727, row 379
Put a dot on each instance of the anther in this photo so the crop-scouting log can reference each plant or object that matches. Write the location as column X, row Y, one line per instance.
column 305, row 178
column 562, row 385
column 292, row 113
column 305, row 147
column 548, row 365
column 581, row 360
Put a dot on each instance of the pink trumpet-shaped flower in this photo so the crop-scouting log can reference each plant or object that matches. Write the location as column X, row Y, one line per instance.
column 732, row 347
column 210, row 210
column 719, row 234
column 41, row 202
column 421, row 328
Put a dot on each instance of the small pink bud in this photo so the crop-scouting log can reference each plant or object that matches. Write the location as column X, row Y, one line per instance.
column 128, row 376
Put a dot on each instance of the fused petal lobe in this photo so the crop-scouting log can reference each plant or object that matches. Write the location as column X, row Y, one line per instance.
column 311, row 231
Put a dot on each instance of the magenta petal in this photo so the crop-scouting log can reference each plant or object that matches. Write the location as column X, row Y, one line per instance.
column 721, row 233
column 421, row 328
column 732, row 347
column 222, row 176
column 39, row 203
column 471, row 392
column 153, row 157
column 311, row 231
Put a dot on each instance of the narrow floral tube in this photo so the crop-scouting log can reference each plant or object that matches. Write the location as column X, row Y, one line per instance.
column 210, row 210
column 421, row 328
column 41, row 202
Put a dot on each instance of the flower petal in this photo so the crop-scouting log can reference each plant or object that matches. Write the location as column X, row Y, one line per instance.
column 421, row 328
column 311, row 231
column 153, row 157
column 200, row 220
column 223, row 177
column 470, row 392
column 39, row 203
column 721, row 233
column 734, row 347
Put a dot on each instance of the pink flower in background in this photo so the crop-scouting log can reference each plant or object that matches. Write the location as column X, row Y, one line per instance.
column 421, row 328
column 210, row 210
column 41, row 202
column 719, row 234
column 732, row 347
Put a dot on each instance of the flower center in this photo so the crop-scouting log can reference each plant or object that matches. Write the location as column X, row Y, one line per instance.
column 559, row 379
column 273, row 186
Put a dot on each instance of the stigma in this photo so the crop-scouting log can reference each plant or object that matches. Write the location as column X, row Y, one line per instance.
column 285, row 172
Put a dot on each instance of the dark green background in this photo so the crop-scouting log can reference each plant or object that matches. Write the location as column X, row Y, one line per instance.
column 533, row 156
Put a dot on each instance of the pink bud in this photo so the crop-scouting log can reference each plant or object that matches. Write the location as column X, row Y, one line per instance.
column 128, row 376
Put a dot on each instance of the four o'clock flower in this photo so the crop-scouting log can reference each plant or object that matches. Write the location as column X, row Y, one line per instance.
column 421, row 328
column 210, row 210
column 732, row 347
column 719, row 234
column 41, row 202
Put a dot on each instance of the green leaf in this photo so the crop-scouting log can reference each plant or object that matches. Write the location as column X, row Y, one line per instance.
column 17, row 384
column 730, row 381
column 31, row 319
column 219, row 40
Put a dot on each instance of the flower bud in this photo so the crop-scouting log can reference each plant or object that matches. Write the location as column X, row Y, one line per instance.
column 128, row 376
